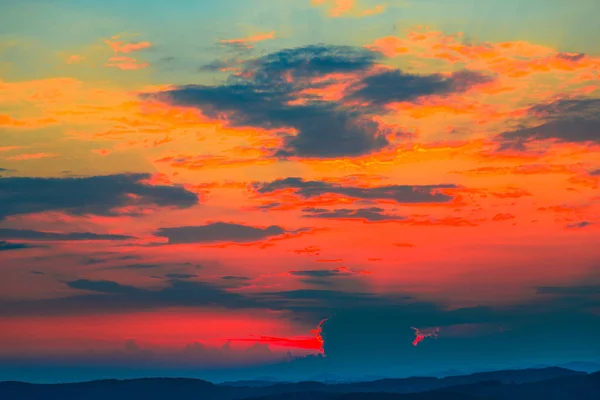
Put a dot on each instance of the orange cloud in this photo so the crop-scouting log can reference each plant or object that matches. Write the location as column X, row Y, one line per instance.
column 31, row 156
column 7, row 120
column 210, row 161
column 245, row 41
column 126, row 63
column 75, row 59
column 102, row 152
column 119, row 47
column 347, row 8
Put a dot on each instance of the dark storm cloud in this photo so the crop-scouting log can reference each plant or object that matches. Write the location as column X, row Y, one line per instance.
column 180, row 276
column 137, row 266
column 98, row 260
column 398, row 193
column 107, row 296
column 6, row 246
column 324, row 130
column 317, row 282
column 261, row 100
column 371, row 214
column 102, row 286
column 40, row 235
column 313, row 60
column 566, row 120
column 395, row 85
column 262, row 93
column 99, row 195
column 218, row 232
column 319, row 273
column 235, row 278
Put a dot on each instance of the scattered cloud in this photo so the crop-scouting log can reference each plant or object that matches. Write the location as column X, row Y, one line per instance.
column 371, row 214
column 218, row 232
column 247, row 42
column 397, row 193
column 31, row 156
column 99, row 195
column 40, row 235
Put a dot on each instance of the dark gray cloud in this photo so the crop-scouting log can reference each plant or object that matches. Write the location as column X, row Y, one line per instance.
column 398, row 193
column 324, row 130
column 137, row 266
column 262, row 100
column 371, row 214
column 595, row 172
column 6, row 246
column 235, row 278
column 566, row 120
column 395, row 85
column 312, row 60
column 98, row 260
column 109, row 296
column 317, row 282
column 218, row 232
column 319, row 273
column 40, row 235
column 578, row 225
column 101, row 286
column 180, row 276
column 262, row 95
column 99, row 195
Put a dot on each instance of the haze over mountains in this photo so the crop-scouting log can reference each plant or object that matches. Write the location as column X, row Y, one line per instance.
column 546, row 383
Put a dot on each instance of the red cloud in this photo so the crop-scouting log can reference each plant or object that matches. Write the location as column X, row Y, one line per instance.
column 423, row 333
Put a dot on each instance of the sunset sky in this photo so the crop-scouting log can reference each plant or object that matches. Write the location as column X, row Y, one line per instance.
column 245, row 188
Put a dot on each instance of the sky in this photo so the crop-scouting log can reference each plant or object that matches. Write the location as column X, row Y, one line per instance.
column 250, row 188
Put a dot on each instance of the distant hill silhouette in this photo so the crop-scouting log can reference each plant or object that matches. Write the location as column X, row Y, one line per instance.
column 547, row 383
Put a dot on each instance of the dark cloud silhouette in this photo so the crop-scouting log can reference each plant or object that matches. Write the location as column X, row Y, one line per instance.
column 313, row 60
column 398, row 193
column 317, row 282
column 99, row 195
column 578, row 225
column 262, row 100
column 565, row 120
column 102, row 286
column 40, row 235
column 236, row 278
column 218, row 232
column 180, row 276
column 6, row 246
column 371, row 214
column 395, row 85
column 109, row 296
column 595, row 172
column 98, row 260
column 263, row 95
column 319, row 273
